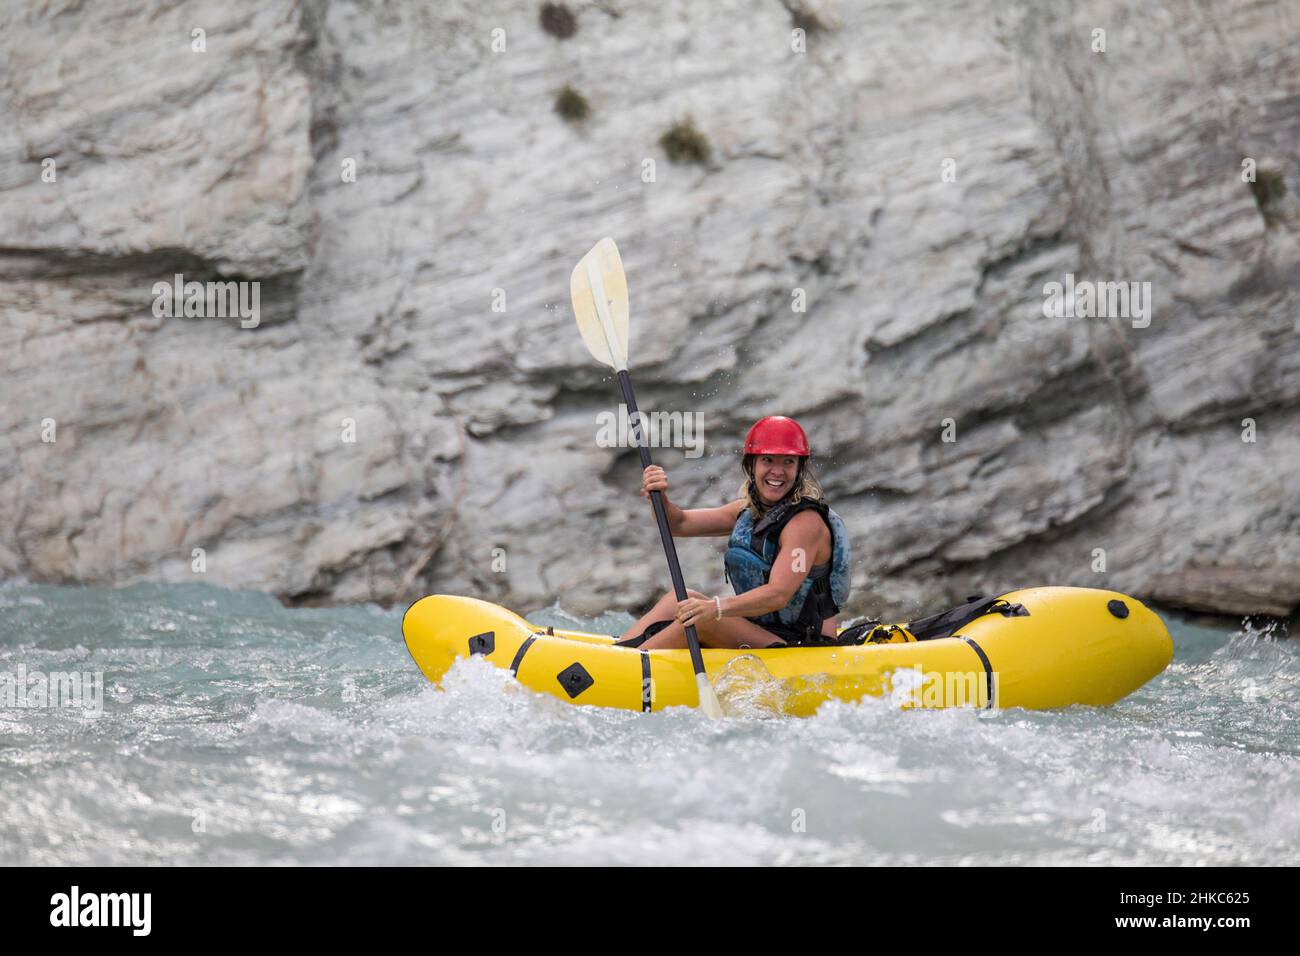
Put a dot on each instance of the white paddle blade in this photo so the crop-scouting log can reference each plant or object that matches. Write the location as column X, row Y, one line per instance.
column 599, row 290
column 708, row 699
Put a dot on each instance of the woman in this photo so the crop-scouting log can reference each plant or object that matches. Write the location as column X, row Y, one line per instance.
column 788, row 557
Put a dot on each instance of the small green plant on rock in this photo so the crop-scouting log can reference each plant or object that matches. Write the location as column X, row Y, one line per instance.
column 1269, row 189
column 572, row 105
column 804, row 17
column 684, row 143
column 558, row 20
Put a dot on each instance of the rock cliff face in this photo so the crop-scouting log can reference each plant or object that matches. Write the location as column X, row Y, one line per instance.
column 421, row 307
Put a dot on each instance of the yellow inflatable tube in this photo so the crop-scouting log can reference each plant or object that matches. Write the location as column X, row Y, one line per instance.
column 1075, row 646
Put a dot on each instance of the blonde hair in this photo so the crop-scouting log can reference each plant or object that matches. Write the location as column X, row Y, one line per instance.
column 808, row 487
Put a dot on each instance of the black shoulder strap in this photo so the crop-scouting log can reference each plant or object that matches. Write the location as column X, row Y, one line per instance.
column 774, row 522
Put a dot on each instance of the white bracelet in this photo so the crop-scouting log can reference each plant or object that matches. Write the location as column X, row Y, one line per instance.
column 717, row 602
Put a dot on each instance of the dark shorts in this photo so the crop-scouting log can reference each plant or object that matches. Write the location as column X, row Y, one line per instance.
column 790, row 636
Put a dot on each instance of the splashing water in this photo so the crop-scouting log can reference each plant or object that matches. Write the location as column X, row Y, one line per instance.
column 234, row 731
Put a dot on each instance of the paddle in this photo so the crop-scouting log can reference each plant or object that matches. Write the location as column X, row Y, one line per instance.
column 599, row 290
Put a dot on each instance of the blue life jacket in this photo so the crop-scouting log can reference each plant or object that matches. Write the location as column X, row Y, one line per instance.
column 754, row 546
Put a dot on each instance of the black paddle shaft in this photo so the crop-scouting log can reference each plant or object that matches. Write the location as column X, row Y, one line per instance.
column 661, row 516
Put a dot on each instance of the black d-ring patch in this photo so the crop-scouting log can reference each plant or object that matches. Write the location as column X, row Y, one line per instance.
column 575, row 679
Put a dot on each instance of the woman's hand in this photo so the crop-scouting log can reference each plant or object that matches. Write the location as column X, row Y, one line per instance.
column 653, row 478
column 695, row 609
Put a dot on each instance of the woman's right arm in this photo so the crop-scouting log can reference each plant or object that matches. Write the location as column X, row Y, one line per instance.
column 697, row 522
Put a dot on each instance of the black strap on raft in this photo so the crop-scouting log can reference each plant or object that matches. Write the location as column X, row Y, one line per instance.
column 653, row 628
column 932, row 628
column 946, row 623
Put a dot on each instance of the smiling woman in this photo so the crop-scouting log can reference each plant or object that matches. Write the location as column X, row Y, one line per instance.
column 787, row 559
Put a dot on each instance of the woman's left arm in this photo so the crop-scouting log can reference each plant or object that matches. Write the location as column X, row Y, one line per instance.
column 799, row 542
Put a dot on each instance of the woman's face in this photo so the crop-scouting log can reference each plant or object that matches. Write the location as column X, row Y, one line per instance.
column 774, row 476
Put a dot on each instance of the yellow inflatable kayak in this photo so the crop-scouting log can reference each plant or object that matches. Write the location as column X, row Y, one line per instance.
column 1047, row 647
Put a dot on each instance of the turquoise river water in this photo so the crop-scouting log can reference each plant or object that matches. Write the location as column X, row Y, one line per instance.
column 232, row 730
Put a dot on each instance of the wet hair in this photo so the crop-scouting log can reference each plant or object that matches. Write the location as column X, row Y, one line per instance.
column 805, row 485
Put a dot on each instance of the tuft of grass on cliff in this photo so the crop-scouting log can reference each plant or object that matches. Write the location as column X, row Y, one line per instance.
column 558, row 20
column 572, row 105
column 1269, row 189
column 684, row 143
column 805, row 18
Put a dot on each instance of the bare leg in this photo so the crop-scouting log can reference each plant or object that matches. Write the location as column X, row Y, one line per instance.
column 730, row 632
column 664, row 609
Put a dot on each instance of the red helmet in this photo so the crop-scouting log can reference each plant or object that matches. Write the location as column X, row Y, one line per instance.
column 776, row 435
